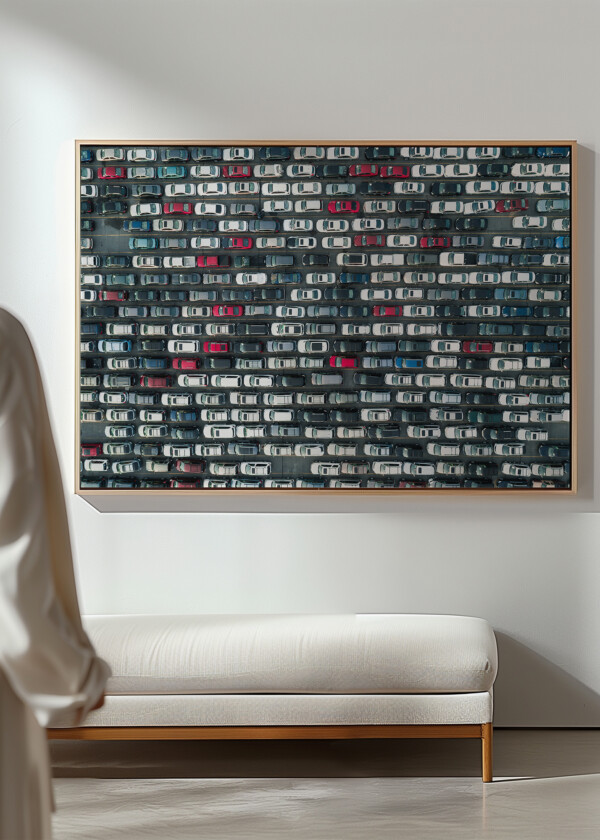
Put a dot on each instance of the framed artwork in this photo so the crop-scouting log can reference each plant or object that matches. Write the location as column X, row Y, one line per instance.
column 297, row 316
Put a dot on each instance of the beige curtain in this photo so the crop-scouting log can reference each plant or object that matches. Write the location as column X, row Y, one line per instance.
column 49, row 672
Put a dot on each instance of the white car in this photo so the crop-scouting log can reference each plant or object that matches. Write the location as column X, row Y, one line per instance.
column 88, row 261
column 561, row 224
column 255, row 468
column 365, row 224
column 507, row 242
column 556, row 259
column 167, row 225
column 486, row 206
column 306, row 205
column 299, row 224
column 379, row 206
column 448, row 153
column 270, row 242
column 179, row 262
column 89, row 191
column 477, row 187
column 518, row 277
column 427, row 170
column 416, row 151
column 178, row 346
column 446, row 207
column 309, row 153
column 112, row 154
column 146, row 262
column 237, row 153
column 172, row 190
column 247, row 278
column 409, row 187
column 518, row 187
column 401, row 240
column 203, row 208
column 527, row 170
column 302, row 242
column 205, row 171
column 275, row 188
column 530, row 222
column 268, row 170
column 460, row 170
column 505, row 363
column 342, row 152
column 552, row 188
column 313, row 346
column 352, row 259
column 141, row 155
column 287, row 311
column 150, row 209
column 212, row 188
column 387, row 259
column 307, row 188
column 337, row 242
column 210, row 242
column 226, row 431
column 141, row 172
column 483, row 152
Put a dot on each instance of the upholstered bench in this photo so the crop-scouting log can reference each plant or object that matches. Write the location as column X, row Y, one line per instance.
column 294, row 676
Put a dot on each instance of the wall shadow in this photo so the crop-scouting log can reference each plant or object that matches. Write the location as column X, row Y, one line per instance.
column 531, row 691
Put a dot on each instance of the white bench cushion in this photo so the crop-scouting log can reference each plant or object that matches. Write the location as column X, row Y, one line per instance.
column 298, row 654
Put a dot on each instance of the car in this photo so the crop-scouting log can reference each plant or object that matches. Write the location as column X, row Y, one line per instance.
column 435, row 242
column 511, row 205
column 343, row 206
column 482, row 206
column 446, row 188
column 274, row 153
column 471, row 224
column 552, row 205
column 552, row 152
column 180, row 207
column 110, row 208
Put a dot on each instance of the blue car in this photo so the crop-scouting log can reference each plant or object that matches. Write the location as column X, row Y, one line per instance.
column 403, row 362
column 541, row 346
column 286, row 277
column 510, row 294
column 156, row 363
column 137, row 225
column 143, row 243
column 517, row 311
column 353, row 277
column 553, row 151
column 183, row 416
column 171, row 171
column 554, row 451
column 562, row 242
column 87, row 156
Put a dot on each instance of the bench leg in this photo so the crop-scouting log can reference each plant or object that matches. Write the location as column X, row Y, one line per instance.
column 487, row 737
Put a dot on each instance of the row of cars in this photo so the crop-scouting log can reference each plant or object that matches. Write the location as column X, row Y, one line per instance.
column 343, row 207
column 380, row 187
column 182, row 154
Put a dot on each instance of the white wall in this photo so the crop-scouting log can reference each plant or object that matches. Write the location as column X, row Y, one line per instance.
column 386, row 69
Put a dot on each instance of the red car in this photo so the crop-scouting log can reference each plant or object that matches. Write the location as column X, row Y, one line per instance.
column 91, row 450
column 113, row 294
column 237, row 242
column 216, row 347
column 395, row 172
column 111, row 172
column 343, row 206
column 343, row 362
column 385, row 311
column 236, row 172
column 213, row 262
column 156, row 381
column 435, row 242
column 511, row 205
column 182, row 484
column 227, row 311
column 186, row 364
column 190, row 466
column 369, row 240
column 178, row 207
column 363, row 170
column 477, row 346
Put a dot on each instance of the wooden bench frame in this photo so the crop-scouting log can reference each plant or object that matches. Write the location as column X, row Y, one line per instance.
column 482, row 731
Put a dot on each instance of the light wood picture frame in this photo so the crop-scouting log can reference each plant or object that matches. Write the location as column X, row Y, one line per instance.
column 461, row 254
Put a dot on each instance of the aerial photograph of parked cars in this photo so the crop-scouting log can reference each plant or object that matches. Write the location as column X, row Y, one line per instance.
column 333, row 317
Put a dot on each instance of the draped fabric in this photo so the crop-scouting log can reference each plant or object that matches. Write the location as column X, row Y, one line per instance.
column 49, row 671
